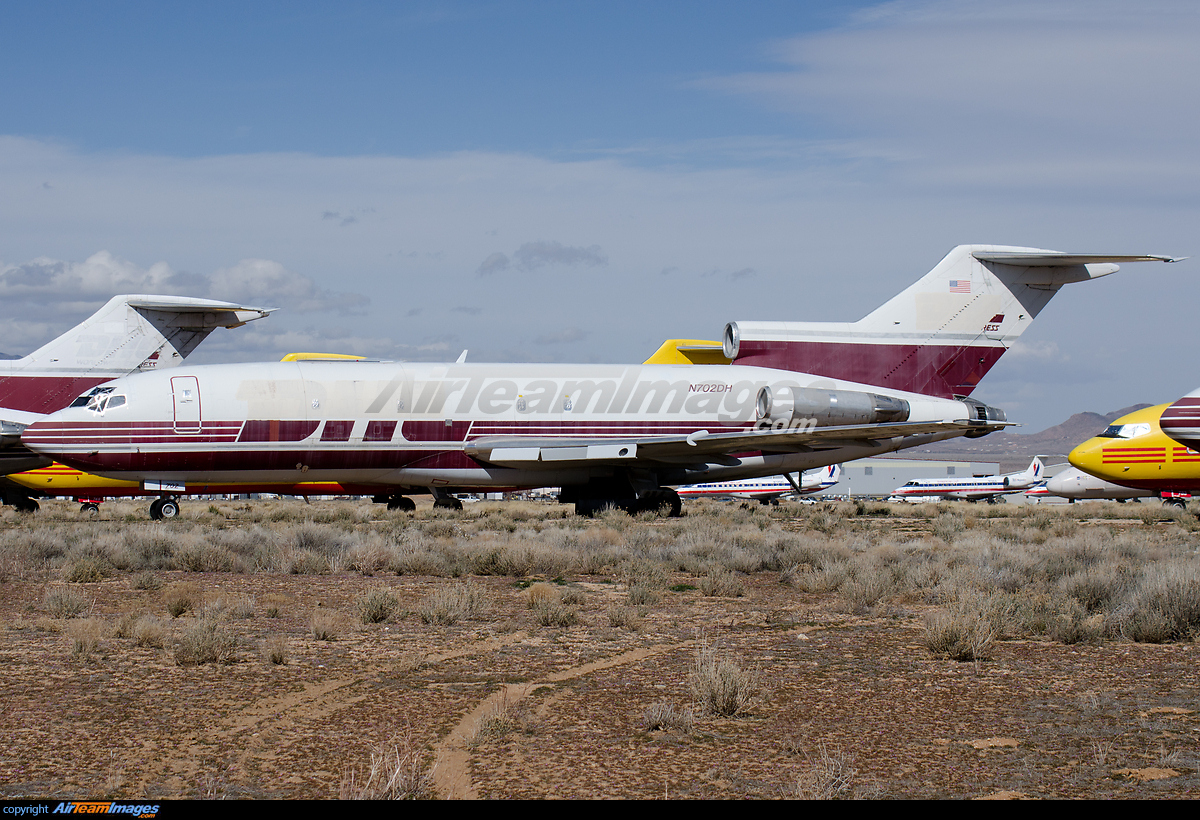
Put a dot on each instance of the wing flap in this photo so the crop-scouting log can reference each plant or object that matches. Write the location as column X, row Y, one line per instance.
column 699, row 446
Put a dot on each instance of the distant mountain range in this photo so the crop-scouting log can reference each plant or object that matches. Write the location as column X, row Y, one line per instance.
column 1014, row 450
column 8, row 356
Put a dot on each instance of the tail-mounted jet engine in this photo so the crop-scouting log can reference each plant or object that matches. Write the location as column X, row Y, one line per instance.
column 781, row 407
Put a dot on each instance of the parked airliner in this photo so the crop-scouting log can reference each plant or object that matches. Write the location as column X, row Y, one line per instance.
column 128, row 334
column 976, row 488
column 768, row 489
column 608, row 435
column 1135, row 452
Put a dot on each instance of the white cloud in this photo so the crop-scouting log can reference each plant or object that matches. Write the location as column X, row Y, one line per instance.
column 1020, row 95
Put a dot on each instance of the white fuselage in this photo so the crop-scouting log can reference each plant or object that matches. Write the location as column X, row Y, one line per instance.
column 382, row 424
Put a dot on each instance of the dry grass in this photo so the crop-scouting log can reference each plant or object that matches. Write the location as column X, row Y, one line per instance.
column 324, row 625
column 377, row 605
column 828, row 775
column 65, row 602
column 719, row 685
column 398, row 771
column 206, row 640
column 453, row 603
column 633, row 593
column 666, row 717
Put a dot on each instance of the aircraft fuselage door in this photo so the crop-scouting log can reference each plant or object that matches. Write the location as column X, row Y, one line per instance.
column 185, row 391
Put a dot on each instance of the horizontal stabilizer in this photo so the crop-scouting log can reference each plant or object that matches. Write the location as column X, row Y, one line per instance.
column 1052, row 259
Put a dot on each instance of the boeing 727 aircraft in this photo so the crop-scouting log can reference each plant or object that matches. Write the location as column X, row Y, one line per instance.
column 128, row 334
column 608, row 435
column 977, row 488
column 766, row 490
column 1135, row 452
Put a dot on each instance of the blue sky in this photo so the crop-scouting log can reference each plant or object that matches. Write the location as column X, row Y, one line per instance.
column 577, row 182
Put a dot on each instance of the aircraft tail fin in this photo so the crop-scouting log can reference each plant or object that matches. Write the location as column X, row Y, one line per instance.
column 129, row 333
column 941, row 334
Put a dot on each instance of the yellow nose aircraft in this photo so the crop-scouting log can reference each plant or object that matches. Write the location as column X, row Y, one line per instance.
column 1134, row 452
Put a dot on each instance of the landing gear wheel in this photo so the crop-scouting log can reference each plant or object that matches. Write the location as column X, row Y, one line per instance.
column 156, row 509
column 169, row 508
column 90, row 509
column 447, row 502
column 1179, row 503
column 664, row 502
column 402, row 503
column 26, row 505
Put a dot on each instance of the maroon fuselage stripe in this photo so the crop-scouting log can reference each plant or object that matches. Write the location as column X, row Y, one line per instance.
column 933, row 370
column 44, row 394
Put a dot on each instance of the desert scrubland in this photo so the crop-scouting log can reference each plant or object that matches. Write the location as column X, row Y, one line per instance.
column 837, row 650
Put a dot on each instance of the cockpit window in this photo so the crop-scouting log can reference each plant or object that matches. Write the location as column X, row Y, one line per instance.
column 86, row 398
column 101, row 401
column 1125, row 431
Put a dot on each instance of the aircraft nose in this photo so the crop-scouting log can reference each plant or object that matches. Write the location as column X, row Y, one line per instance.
column 1062, row 482
column 1088, row 456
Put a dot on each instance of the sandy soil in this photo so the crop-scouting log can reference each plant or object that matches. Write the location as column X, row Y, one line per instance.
column 860, row 694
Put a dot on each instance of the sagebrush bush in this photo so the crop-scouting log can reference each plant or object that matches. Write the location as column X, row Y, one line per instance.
column 666, row 717
column 720, row 685
column 450, row 604
column 181, row 598
column 206, row 640
column 376, row 605
column 962, row 633
column 324, row 625
column 65, row 602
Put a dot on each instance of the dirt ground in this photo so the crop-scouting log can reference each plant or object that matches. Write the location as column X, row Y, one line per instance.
column 502, row 707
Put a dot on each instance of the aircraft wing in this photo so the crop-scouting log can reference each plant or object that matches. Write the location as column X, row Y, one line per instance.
column 701, row 446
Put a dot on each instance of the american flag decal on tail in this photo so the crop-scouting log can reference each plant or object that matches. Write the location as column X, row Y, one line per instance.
column 960, row 285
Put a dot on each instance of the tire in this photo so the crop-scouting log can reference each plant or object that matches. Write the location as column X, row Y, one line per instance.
column 169, row 508
column 90, row 509
column 446, row 503
column 26, row 505
column 156, row 509
column 402, row 503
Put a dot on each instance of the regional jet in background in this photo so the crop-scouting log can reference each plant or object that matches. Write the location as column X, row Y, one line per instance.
column 1076, row 485
column 938, row 337
column 977, row 488
column 769, row 489
column 128, row 334
column 1135, row 452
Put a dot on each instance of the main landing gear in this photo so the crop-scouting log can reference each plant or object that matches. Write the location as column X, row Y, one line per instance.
column 165, row 507
column 396, row 502
column 664, row 502
column 445, row 501
column 25, row 504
